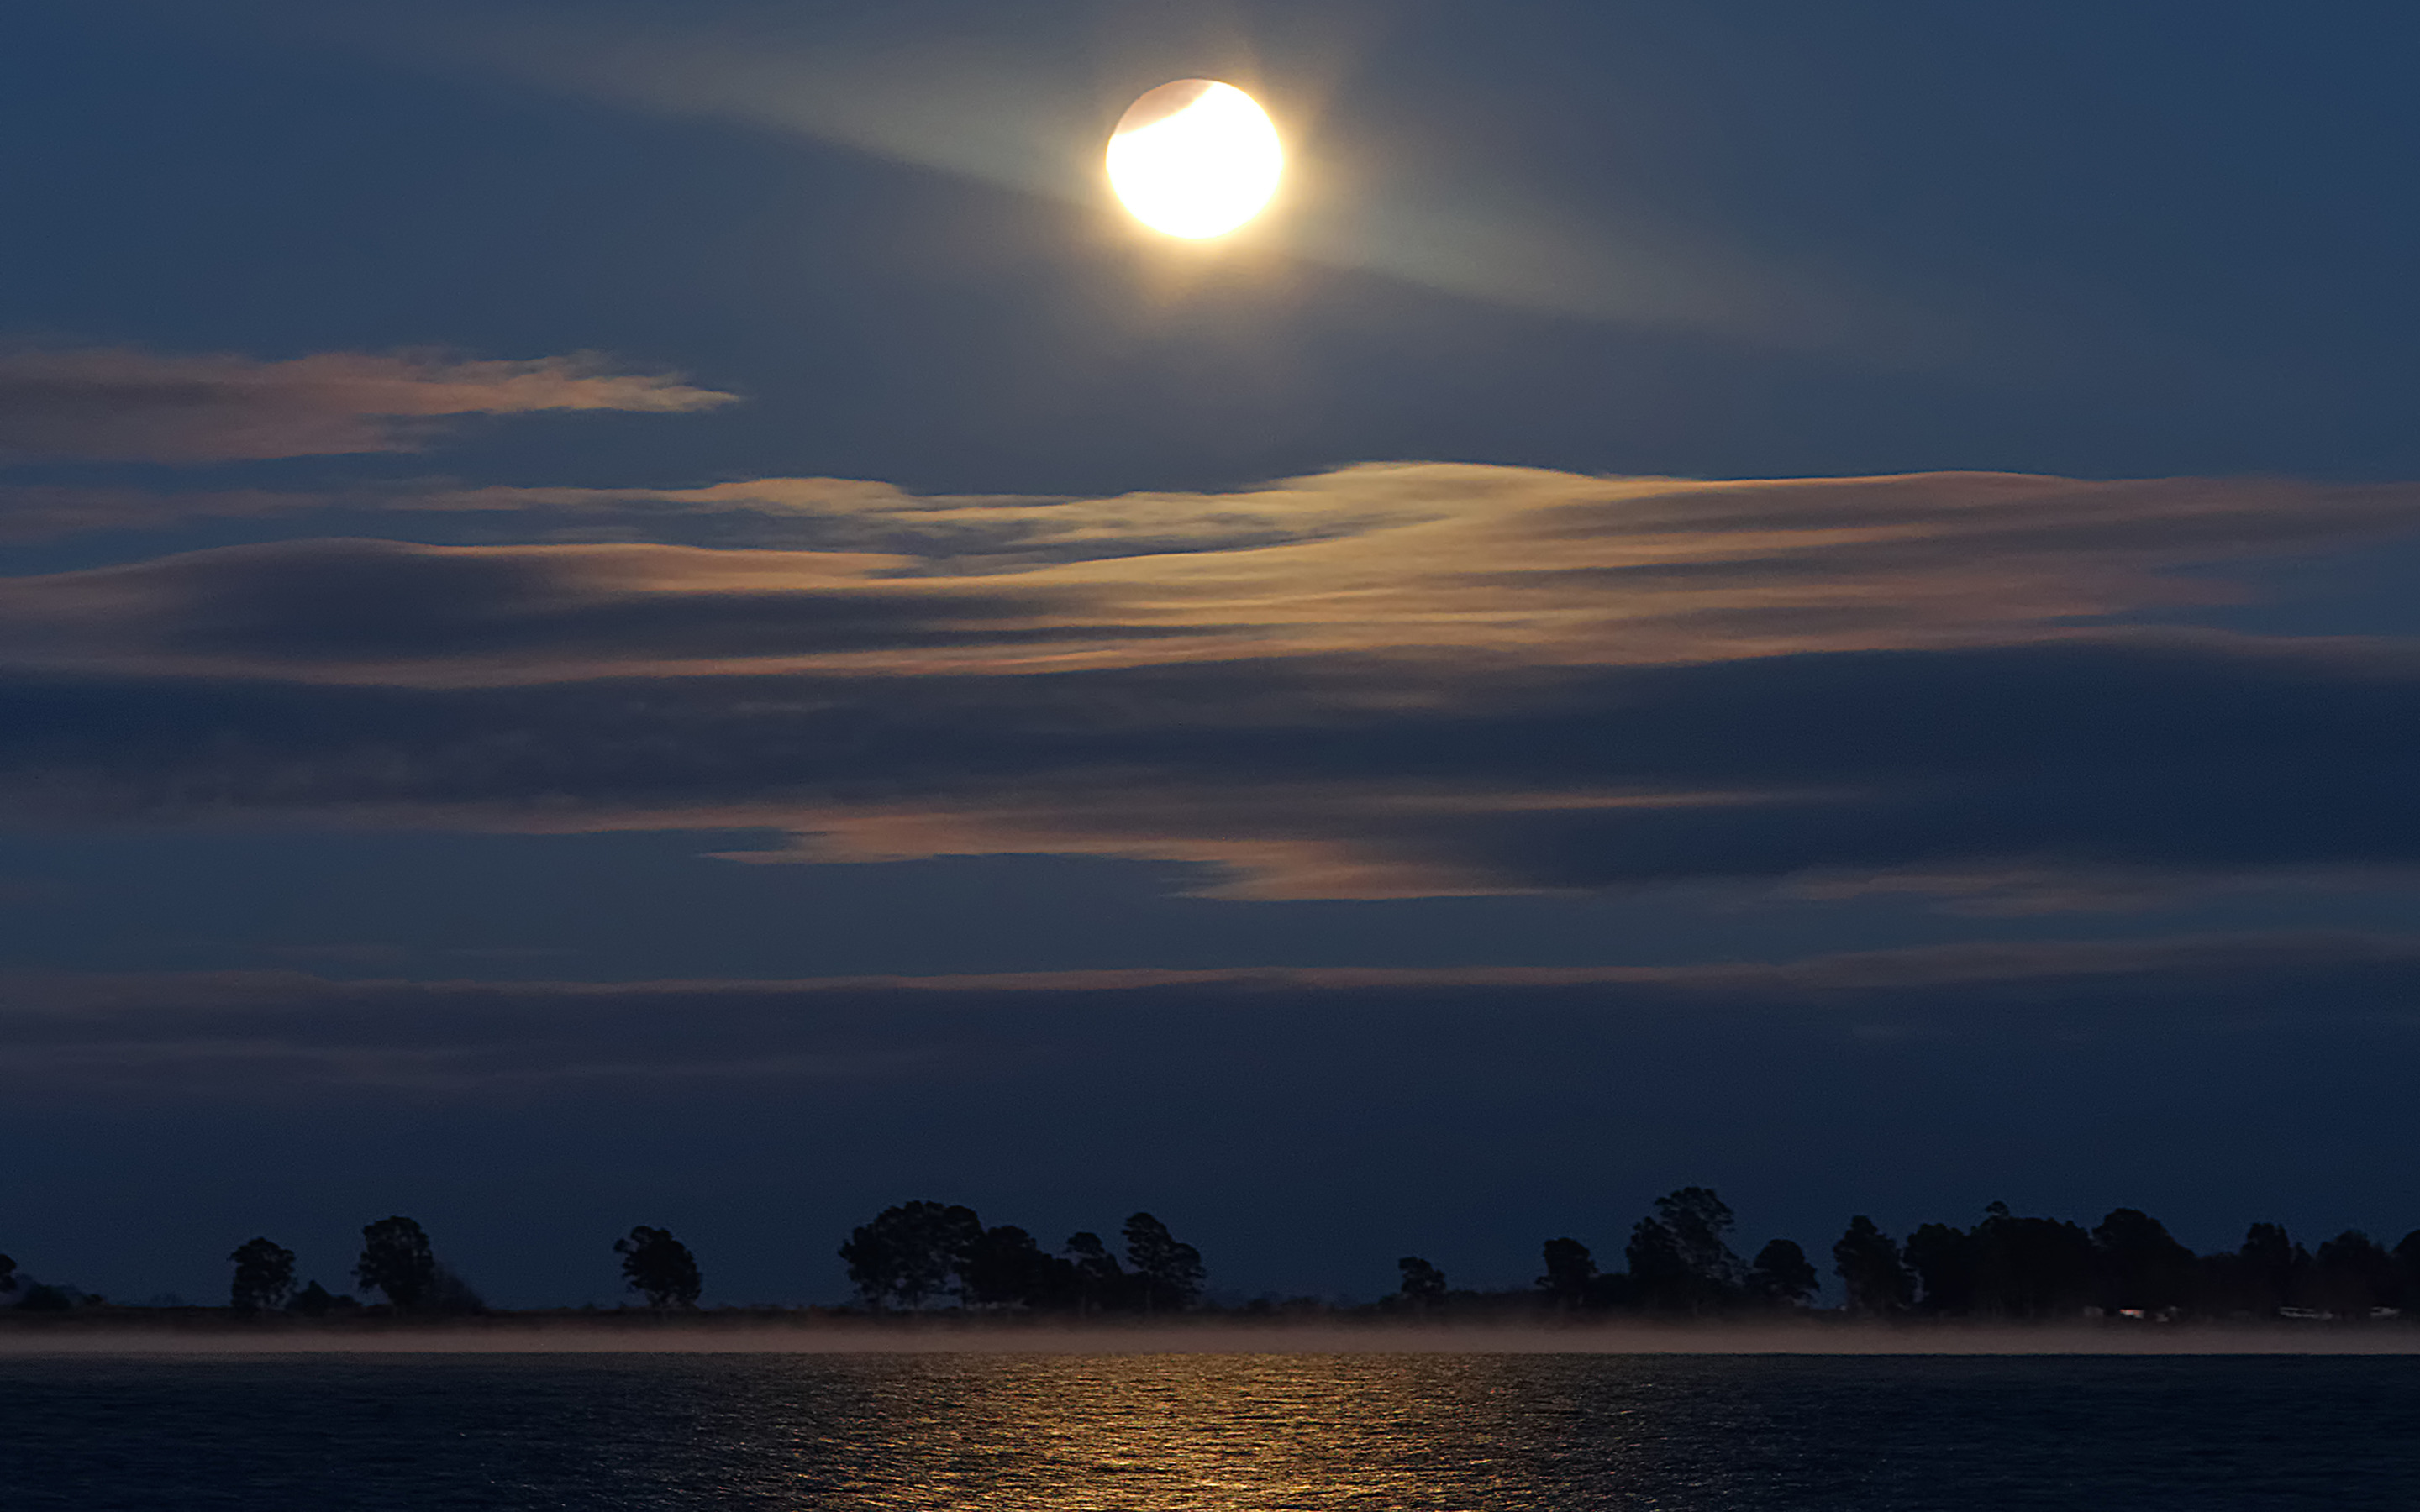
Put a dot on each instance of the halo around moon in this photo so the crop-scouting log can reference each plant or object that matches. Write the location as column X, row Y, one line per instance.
column 1195, row 159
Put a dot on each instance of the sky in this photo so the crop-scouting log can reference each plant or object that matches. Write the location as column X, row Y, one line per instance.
column 625, row 613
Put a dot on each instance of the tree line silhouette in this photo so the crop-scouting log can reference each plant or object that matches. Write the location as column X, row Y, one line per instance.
column 396, row 1263
column 919, row 1253
column 1678, row 1263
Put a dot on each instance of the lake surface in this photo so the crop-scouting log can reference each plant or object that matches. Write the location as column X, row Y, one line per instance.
column 1455, row 1433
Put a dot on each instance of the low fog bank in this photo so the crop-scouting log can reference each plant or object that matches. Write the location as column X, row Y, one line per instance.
column 572, row 1337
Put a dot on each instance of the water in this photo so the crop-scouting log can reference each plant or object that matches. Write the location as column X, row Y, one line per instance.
column 1240, row 1432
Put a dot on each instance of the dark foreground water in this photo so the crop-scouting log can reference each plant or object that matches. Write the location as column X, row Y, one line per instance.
column 1209, row 1431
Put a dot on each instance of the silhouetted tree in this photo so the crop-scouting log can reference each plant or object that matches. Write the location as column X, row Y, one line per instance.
column 1870, row 1271
column 1682, row 1258
column 1702, row 1222
column 264, row 1275
column 1659, row 1275
column 2353, row 1273
column 2272, row 1269
column 1170, row 1273
column 2031, row 1267
column 395, row 1260
column 1099, row 1281
column 9, row 1274
column 911, row 1252
column 1782, row 1274
column 1005, row 1268
column 2407, row 1265
column 1943, row 1258
column 2140, row 1264
column 454, row 1294
column 316, row 1301
column 1423, row 1284
column 1569, row 1267
column 660, row 1267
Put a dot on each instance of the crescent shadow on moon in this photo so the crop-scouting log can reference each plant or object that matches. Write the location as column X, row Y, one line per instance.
column 1165, row 101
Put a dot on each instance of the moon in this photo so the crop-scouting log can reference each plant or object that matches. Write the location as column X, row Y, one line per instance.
column 1195, row 159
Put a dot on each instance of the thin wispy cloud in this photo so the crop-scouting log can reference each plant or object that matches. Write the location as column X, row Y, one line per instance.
column 122, row 404
column 209, row 1033
column 50, row 512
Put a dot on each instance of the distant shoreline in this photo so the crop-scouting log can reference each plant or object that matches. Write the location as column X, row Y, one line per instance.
column 212, row 1333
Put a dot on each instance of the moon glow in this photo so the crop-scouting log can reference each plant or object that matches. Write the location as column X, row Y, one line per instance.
column 1195, row 159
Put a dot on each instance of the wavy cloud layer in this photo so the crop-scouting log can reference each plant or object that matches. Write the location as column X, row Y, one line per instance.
column 1385, row 681
column 1442, row 566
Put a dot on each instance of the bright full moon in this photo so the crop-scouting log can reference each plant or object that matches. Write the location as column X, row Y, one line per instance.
column 1195, row 159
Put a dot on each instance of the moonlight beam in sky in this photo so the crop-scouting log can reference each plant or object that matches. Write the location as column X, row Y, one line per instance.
column 1195, row 159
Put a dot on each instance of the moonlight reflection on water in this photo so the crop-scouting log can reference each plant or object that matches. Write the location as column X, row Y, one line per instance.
column 1208, row 1431
column 1240, row 1433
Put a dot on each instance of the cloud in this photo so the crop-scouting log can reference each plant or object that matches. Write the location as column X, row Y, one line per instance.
column 233, row 1031
column 517, row 614
column 121, row 404
column 1459, row 570
column 1385, row 681
column 1286, row 780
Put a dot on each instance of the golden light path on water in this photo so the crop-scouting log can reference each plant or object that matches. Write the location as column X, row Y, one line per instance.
column 1239, row 1433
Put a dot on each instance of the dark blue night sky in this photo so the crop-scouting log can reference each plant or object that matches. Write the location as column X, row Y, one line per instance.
column 662, row 613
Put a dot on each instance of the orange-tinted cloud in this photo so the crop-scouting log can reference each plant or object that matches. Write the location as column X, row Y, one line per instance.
column 122, row 404
column 1468, row 574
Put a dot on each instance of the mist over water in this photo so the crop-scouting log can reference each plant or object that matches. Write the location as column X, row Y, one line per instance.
column 642, row 1334
column 1406, row 1433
